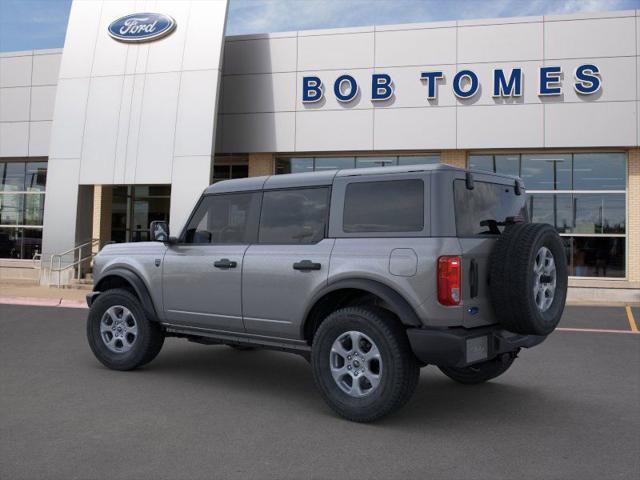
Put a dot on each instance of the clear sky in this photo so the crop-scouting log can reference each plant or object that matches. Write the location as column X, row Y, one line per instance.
column 32, row 24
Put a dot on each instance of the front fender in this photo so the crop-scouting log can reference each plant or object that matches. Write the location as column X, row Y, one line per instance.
column 131, row 278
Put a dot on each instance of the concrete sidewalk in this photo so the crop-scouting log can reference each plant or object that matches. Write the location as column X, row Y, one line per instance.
column 16, row 293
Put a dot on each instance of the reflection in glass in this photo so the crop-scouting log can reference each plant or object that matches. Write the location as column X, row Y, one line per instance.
column 367, row 162
column 239, row 171
column 589, row 209
column 419, row 160
column 36, row 176
column 9, row 243
column 554, row 209
column 33, row 209
column 11, row 209
column 333, row 163
column 508, row 164
column 31, row 242
column 547, row 171
column 599, row 171
column 20, row 243
column 596, row 256
column 13, row 177
column 481, row 162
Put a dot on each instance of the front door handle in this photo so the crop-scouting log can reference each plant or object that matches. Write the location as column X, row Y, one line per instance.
column 306, row 265
column 225, row 263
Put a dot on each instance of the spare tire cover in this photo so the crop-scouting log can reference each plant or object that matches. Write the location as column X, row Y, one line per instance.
column 528, row 278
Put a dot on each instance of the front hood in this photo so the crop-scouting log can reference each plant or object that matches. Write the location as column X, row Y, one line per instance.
column 133, row 248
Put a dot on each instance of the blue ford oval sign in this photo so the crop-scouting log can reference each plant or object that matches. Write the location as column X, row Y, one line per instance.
column 141, row 27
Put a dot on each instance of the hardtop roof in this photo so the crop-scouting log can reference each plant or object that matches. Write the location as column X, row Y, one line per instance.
column 311, row 179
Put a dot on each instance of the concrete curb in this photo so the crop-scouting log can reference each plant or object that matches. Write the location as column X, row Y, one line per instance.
column 42, row 302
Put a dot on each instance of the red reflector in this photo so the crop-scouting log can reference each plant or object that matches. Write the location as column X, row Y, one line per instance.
column 449, row 280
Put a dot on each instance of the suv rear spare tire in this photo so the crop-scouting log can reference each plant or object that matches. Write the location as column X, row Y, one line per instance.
column 528, row 278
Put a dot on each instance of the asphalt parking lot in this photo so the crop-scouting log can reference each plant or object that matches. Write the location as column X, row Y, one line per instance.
column 567, row 409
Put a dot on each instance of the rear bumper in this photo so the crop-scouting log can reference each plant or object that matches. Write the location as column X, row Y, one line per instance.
column 460, row 347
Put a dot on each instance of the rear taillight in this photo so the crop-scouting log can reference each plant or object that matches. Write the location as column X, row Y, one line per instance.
column 449, row 280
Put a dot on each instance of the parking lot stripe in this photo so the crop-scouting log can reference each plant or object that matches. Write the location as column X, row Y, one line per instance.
column 595, row 330
column 632, row 321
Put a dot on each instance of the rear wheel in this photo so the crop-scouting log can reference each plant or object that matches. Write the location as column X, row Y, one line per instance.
column 480, row 372
column 119, row 332
column 363, row 364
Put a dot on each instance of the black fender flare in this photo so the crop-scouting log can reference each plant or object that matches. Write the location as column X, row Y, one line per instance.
column 399, row 305
column 138, row 285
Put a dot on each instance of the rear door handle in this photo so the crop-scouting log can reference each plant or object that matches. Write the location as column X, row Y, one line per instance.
column 306, row 265
column 225, row 263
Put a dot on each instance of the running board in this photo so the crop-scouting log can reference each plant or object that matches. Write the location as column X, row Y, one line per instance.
column 212, row 337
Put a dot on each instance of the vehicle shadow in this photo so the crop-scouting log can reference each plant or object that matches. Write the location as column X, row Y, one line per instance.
column 437, row 403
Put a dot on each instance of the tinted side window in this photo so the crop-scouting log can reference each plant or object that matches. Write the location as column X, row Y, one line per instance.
column 479, row 210
column 294, row 216
column 224, row 219
column 384, row 206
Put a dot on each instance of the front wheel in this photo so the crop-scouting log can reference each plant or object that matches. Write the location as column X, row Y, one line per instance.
column 480, row 372
column 119, row 332
column 363, row 364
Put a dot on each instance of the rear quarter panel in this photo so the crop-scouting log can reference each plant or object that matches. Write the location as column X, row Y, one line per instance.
column 371, row 259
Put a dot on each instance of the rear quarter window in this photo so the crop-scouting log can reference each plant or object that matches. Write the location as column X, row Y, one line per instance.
column 384, row 206
column 481, row 211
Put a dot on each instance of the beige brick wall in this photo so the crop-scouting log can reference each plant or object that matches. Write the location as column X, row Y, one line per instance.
column 456, row 158
column 102, row 201
column 261, row 164
column 633, row 227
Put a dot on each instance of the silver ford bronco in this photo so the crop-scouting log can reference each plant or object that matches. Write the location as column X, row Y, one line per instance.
column 370, row 274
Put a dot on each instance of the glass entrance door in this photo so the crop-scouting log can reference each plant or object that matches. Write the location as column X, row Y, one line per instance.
column 134, row 207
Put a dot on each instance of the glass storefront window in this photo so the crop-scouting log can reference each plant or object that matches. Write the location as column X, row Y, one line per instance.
column 333, row 163
column 508, row 164
column 301, row 165
column 418, row 159
column 590, row 216
column 13, row 177
column 310, row 164
column 10, row 240
column 554, row 209
column 481, row 162
column 11, row 209
column 22, row 187
column 546, row 171
column 599, row 171
column 133, row 208
column 33, row 209
column 596, row 256
column 36, row 176
column 368, row 162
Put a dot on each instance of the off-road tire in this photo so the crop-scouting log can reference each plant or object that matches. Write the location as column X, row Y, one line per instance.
column 480, row 372
column 147, row 345
column 399, row 375
column 511, row 278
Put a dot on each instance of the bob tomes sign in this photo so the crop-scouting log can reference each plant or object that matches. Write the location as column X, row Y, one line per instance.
column 465, row 84
column 141, row 27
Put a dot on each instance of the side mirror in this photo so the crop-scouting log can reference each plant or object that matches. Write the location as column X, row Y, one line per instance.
column 159, row 231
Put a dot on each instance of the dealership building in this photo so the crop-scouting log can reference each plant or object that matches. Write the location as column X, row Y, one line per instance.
column 108, row 134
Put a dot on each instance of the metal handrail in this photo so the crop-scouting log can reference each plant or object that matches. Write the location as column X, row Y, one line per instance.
column 37, row 260
column 78, row 248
